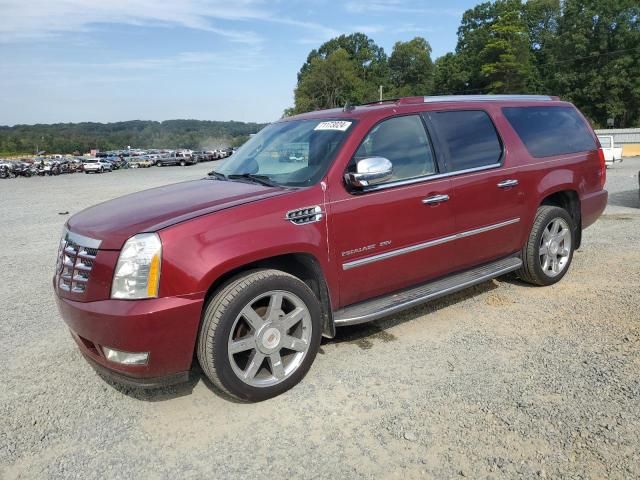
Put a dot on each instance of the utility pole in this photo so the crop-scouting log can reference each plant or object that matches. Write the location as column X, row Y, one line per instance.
column 380, row 92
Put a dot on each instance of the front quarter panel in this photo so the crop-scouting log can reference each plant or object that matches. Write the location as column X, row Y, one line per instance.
column 198, row 252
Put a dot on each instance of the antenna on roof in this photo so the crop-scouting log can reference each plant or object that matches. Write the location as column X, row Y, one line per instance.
column 348, row 107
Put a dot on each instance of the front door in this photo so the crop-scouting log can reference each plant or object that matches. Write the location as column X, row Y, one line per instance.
column 395, row 234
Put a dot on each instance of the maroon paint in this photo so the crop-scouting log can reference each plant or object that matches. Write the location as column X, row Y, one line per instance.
column 209, row 228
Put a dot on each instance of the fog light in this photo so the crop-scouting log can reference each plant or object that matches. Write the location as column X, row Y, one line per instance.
column 126, row 358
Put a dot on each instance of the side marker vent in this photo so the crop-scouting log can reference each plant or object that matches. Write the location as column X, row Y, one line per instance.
column 304, row 215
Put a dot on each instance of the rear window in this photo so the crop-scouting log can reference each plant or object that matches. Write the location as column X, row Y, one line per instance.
column 470, row 137
column 549, row 131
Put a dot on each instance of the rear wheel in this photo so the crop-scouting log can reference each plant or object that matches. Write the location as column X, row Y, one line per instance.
column 260, row 334
column 182, row 164
column 549, row 250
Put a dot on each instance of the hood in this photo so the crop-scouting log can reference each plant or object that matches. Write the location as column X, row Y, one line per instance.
column 115, row 221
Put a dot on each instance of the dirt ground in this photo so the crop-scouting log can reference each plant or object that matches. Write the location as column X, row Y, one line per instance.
column 502, row 380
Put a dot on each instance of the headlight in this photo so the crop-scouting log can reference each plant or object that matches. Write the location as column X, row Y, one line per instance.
column 137, row 273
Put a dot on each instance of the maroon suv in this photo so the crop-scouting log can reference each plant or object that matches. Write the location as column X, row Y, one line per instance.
column 321, row 220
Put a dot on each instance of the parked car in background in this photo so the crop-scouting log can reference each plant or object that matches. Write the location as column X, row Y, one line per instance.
column 140, row 162
column 612, row 154
column 7, row 169
column 205, row 155
column 96, row 165
column 177, row 158
column 397, row 203
column 116, row 162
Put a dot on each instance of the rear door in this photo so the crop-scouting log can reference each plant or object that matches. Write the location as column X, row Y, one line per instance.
column 487, row 197
column 395, row 234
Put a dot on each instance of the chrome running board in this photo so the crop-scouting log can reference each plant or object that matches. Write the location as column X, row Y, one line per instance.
column 401, row 300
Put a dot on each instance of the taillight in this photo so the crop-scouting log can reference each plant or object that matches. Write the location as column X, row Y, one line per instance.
column 603, row 167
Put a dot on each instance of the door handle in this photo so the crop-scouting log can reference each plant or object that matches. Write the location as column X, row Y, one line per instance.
column 508, row 183
column 435, row 199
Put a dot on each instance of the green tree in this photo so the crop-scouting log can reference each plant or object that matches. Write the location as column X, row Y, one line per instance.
column 494, row 47
column 329, row 82
column 506, row 56
column 450, row 76
column 363, row 67
column 69, row 137
column 541, row 17
column 411, row 68
column 596, row 59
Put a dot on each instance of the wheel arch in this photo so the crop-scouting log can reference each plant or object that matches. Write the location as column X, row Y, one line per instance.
column 569, row 200
column 301, row 265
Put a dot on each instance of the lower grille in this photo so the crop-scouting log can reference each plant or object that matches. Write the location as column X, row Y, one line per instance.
column 74, row 265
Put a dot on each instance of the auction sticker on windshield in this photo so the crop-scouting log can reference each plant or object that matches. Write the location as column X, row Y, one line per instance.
column 339, row 125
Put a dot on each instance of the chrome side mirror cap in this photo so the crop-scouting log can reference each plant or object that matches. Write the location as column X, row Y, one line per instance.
column 370, row 171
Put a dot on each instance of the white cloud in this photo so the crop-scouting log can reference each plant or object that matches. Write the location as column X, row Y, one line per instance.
column 397, row 6
column 35, row 19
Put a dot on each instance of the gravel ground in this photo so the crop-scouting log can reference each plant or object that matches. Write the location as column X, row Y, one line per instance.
column 503, row 380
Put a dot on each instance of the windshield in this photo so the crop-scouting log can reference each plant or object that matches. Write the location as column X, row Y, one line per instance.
column 296, row 153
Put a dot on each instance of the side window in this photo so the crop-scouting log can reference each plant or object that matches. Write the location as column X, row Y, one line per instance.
column 404, row 142
column 548, row 131
column 470, row 137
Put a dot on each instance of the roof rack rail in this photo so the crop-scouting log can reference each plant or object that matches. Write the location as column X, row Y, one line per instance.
column 484, row 98
column 379, row 102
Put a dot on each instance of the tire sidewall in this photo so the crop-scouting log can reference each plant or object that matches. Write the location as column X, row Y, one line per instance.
column 223, row 367
column 549, row 216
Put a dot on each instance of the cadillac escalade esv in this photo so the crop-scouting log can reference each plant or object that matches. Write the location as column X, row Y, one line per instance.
column 387, row 205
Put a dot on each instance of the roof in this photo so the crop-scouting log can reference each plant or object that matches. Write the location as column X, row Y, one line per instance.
column 360, row 111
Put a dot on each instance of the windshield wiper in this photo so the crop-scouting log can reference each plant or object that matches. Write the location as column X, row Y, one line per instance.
column 261, row 179
column 218, row 175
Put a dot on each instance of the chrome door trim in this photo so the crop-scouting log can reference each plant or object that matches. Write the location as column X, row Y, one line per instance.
column 426, row 178
column 420, row 246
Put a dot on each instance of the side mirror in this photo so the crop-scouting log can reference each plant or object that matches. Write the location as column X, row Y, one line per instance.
column 370, row 171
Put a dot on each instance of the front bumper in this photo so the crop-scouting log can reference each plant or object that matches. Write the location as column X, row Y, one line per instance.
column 167, row 328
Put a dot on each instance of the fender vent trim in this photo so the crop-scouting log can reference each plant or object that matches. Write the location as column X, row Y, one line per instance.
column 301, row 216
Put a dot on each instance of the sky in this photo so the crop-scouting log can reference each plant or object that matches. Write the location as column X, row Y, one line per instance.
column 114, row 60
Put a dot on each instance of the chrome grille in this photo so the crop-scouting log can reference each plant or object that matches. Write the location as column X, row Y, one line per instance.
column 74, row 265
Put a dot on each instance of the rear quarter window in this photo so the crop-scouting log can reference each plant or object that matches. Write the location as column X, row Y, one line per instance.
column 548, row 131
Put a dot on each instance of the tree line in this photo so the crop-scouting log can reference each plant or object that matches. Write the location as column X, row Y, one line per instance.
column 585, row 51
column 82, row 137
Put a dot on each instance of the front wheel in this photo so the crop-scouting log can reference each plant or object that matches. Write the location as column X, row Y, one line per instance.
column 549, row 250
column 260, row 334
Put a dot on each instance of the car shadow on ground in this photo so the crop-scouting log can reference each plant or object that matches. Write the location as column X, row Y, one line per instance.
column 628, row 198
column 364, row 336
column 161, row 394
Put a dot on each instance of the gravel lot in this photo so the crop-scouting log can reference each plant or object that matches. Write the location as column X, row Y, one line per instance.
column 499, row 381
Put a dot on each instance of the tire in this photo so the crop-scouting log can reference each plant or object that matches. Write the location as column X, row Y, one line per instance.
column 545, row 263
column 182, row 164
column 224, row 321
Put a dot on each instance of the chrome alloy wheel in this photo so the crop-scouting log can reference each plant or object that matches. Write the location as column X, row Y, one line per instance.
column 555, row 247
column 269, row 338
